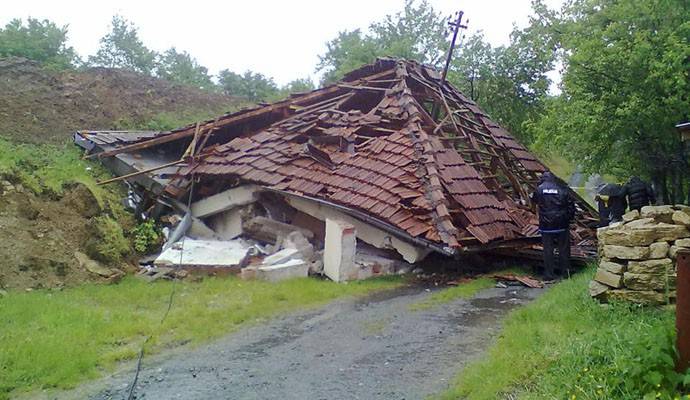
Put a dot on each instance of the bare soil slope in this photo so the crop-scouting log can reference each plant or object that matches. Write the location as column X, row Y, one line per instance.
column 38, row 238
column 42, row 106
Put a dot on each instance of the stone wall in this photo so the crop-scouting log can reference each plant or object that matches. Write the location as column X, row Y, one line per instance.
column 637, row 256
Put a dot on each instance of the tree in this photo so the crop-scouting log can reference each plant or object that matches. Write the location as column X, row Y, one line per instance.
column 183, row 68
column 298, row 86
column 122, row 48
column 472, row 67
column 42, row 41
column 625, row 85
column 250, row 85
column 348, row 51
column 508, row 82
column 417, row 33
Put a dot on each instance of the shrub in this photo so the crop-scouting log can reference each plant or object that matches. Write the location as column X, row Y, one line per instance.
column 109, row 243
column 146, row 236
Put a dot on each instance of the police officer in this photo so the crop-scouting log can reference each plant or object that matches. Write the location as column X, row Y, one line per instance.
column 556, row 209
column 639, row 193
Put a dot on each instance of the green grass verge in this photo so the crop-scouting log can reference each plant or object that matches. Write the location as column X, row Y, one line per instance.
column 567, row 346
column 57, row 339
column 45, row 169
column 463, row 290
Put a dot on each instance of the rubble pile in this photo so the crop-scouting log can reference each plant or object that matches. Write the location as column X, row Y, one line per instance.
column 252, row 246
column 637, row 255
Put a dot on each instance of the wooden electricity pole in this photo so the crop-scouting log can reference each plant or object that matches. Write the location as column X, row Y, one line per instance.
column 457, row 24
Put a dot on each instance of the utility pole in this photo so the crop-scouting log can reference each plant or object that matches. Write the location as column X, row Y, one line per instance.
column 457, row 25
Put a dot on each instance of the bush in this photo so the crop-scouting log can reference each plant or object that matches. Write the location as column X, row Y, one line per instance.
column 109, row 243
column 146, row 236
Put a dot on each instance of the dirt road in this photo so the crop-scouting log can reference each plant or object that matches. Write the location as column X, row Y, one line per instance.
column 372, row 348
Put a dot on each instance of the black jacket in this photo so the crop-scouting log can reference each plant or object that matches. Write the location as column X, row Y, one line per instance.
column 612, row 203
column 556, row 206
column 639, row 193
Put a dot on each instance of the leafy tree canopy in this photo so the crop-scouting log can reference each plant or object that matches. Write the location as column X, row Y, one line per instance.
column 418, row 33
column 42, row 41
column 298, row 86
column 181, row 67
column 508, row 82
column 250, row 85
column 122, row 48
column 625, row 86
column 295, row 86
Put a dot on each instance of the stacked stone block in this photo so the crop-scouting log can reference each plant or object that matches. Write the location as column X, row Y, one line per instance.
column 637, row 256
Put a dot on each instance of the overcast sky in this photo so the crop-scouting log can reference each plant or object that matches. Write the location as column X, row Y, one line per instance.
column 281, row 39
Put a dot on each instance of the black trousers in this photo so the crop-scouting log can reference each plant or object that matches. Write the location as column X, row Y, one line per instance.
column 561, row 241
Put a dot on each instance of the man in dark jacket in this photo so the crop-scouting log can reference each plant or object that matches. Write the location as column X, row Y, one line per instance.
column 556, row 209
column 639, row 193
column 612, row 203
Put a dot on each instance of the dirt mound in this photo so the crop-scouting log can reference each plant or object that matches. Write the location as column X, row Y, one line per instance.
column 41, row 240
column 42, row 106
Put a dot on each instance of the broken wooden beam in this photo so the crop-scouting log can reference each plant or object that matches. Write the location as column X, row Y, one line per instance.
column 143, row 171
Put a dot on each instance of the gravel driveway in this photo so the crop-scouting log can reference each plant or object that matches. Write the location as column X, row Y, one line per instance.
column 367, row 348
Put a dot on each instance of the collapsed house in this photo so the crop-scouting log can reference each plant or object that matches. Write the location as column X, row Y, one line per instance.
column 389, row 158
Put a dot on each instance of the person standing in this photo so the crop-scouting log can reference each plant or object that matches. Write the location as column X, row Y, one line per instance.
column 639, row 193
column 556, row 209
column 612, row 204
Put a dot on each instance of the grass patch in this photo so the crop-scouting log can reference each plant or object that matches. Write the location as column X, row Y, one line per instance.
column 566, row 346
column 53, row 339
column 45, row 169
column 464, row 290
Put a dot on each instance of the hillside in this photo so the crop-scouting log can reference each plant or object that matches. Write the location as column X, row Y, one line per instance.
column 42, row 106
column 56, row 223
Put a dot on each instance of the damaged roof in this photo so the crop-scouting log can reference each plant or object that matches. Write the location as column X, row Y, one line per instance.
column 390, row 141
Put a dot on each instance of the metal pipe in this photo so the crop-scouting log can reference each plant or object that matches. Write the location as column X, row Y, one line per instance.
column 683, row 310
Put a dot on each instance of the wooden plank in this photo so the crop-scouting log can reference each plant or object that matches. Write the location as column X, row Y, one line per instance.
column 376, row 89
column 143, row 171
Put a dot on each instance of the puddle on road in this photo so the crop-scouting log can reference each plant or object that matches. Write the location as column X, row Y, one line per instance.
column 378, row 297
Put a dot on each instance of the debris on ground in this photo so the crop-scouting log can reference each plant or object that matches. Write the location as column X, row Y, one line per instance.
column 154, row 273
column 524, row 280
